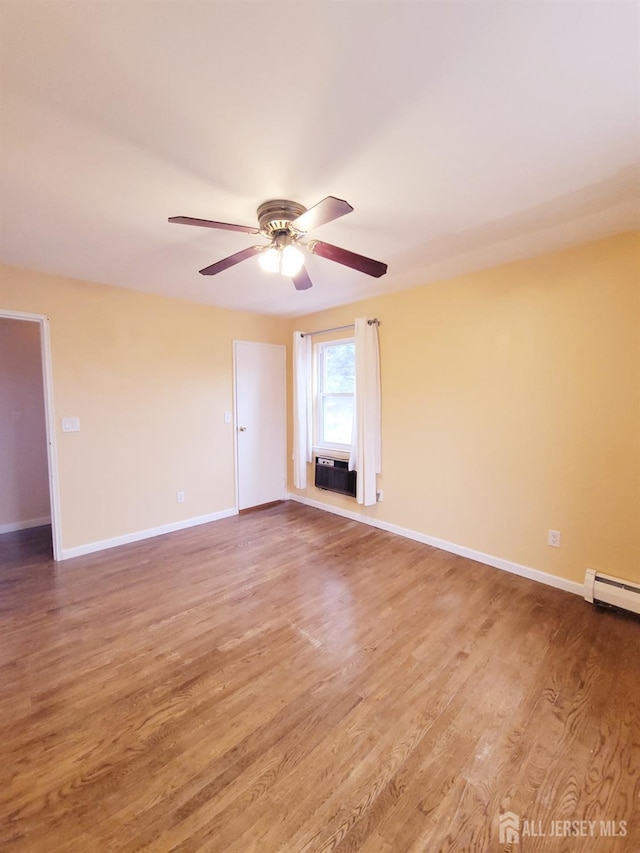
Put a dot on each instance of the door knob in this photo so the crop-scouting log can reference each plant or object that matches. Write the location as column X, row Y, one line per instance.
column 242, row 429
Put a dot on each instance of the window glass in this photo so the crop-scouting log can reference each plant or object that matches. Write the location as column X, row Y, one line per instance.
column 340, row 369
column 338, row 418
column 334, row 398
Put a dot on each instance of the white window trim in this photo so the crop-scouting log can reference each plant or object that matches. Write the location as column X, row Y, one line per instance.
column 331, row 452
column 320, row 447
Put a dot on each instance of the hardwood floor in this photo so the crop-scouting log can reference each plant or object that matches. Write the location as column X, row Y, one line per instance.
column 292, row 681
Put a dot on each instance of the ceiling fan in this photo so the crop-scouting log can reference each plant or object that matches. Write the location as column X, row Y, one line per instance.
column 285, row 224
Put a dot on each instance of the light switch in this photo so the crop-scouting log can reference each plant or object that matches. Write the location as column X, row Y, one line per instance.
column 227, row 417
column 71, row 425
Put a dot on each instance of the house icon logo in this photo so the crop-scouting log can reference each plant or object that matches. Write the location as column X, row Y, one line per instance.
column 509, row 827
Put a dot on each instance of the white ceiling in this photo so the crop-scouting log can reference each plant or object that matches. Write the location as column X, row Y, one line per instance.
column 464, row 134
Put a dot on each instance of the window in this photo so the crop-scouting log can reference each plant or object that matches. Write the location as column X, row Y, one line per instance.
column 334, row 397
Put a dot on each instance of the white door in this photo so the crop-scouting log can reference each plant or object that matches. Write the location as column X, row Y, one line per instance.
column 261, row 416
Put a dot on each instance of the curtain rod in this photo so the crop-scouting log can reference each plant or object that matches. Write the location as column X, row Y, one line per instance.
column 374, row 322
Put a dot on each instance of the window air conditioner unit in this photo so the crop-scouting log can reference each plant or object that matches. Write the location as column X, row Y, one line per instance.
column 333, row 475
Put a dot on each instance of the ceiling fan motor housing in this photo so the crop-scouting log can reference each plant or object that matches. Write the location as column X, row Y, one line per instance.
column 275, row 217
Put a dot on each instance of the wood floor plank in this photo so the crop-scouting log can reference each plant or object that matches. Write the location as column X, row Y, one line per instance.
column 293, row 682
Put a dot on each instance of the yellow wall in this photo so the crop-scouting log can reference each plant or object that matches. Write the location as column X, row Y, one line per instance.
column 150, row 379
column 511, row 405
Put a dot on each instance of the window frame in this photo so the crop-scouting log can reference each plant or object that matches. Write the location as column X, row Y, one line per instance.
column 319, row 395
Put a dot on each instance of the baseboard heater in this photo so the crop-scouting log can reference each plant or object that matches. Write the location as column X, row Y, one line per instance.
column 611, row 592
column 333, row 475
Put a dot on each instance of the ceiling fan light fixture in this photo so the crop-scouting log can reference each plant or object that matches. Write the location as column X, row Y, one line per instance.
column 291, row 261
column 270, row 260
column 286, row 260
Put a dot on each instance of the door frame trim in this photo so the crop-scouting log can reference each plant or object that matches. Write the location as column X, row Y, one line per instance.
column 234, row 421
column 49, row 417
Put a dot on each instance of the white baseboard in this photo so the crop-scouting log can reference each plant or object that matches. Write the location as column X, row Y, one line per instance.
column 443, row 545
column 24, row 525
column 103, row 544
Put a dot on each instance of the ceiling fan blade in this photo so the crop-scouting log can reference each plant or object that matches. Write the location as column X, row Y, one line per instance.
column 301, row 280
column 348, row 259
column 208, row 223
column 232, row 260
column 324, row 211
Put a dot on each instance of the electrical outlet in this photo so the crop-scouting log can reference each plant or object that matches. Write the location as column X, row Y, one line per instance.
column 180, row 497
column 379, row 496
column 553, row 538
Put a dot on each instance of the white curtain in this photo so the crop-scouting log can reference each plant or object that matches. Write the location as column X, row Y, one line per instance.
column 301, row 408
column 365, row 450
